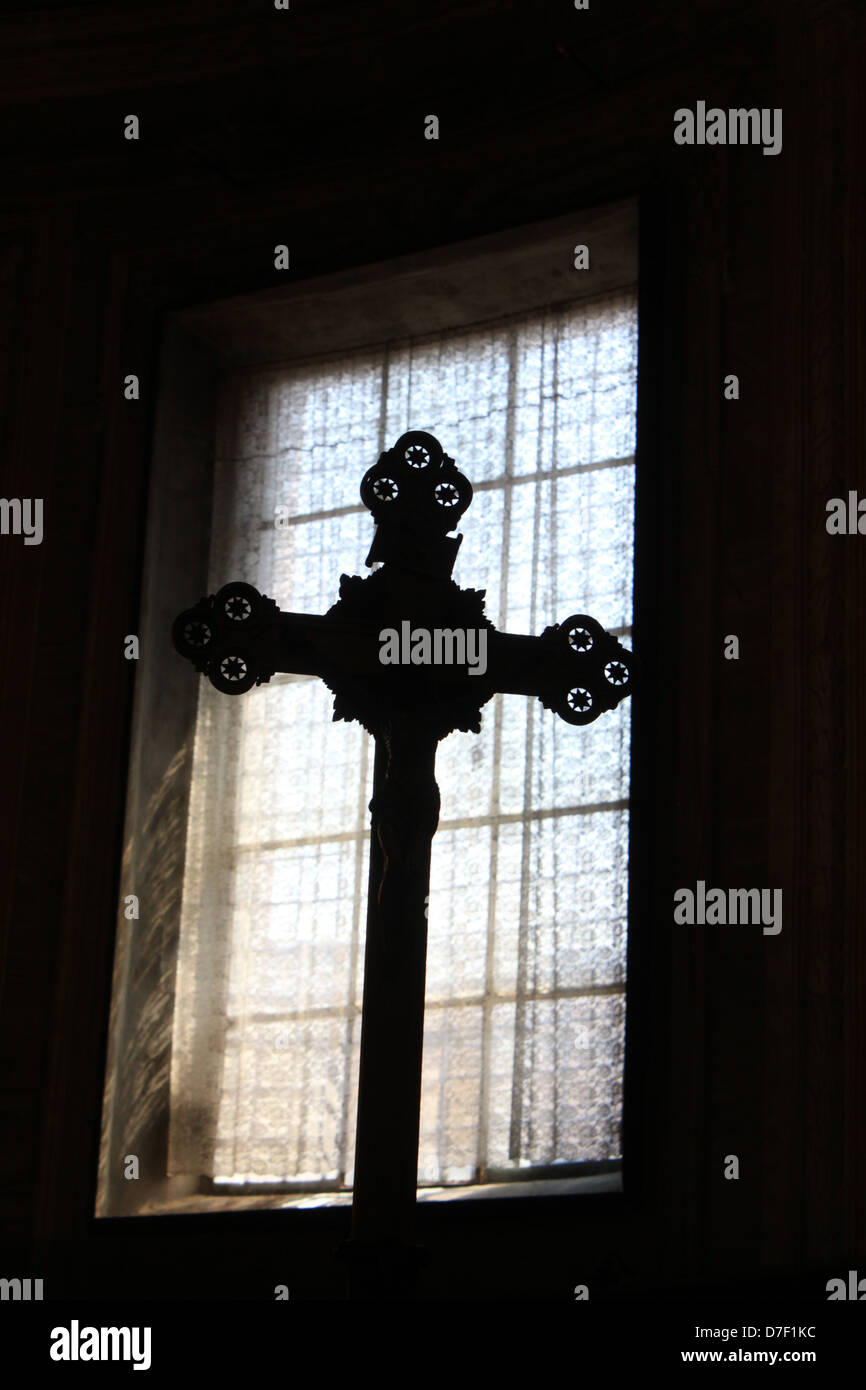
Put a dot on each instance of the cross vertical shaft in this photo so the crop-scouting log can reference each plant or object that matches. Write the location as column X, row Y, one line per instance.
column 405, row 813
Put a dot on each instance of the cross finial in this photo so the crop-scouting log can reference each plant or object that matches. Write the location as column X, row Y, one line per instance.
column 416, row 494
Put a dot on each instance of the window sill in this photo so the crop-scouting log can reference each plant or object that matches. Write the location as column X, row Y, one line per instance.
column 592, row 1184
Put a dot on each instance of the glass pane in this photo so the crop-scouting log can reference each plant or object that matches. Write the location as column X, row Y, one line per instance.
column 527, row 921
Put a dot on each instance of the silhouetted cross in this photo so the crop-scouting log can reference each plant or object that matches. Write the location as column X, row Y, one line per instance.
column 240, row 638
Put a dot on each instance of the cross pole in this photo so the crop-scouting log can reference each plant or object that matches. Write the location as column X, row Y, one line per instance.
column 240, row 638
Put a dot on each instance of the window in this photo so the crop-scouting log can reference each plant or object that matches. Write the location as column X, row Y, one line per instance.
column 524, row 1022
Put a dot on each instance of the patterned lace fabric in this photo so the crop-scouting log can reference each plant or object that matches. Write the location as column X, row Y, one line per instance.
column 523, row 1045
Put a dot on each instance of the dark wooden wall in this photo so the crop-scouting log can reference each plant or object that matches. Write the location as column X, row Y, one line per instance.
column 306, row 127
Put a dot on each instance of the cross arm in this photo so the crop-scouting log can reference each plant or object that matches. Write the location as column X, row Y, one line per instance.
column 239, row 638
column 575, row 668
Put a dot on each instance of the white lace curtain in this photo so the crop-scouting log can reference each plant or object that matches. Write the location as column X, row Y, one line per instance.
column 523, row 1041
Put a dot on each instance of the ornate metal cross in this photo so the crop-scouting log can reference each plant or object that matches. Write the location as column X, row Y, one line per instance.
column 240, row 638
